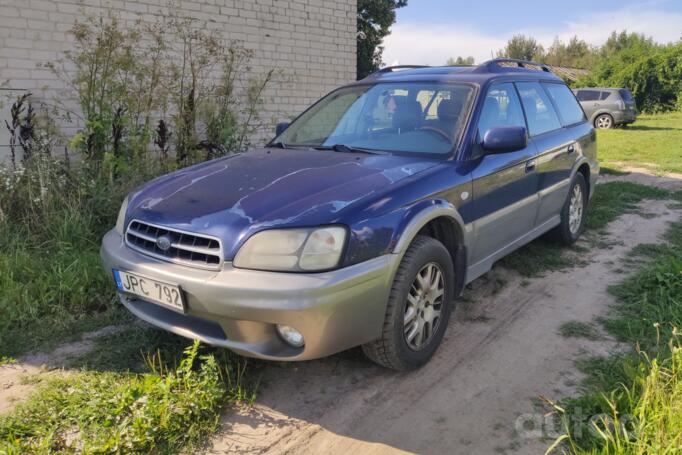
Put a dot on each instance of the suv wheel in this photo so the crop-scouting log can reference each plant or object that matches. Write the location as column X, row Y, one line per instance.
column 604, row 121
column 573, row 213
column 418, row 307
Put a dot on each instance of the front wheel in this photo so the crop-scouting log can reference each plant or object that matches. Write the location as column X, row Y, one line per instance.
column 418, row 307
column 573, row 212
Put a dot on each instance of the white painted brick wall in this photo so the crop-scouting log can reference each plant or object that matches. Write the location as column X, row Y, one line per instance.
column 311, row 41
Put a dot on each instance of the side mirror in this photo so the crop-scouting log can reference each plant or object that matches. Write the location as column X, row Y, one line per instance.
column 501, row 139
column 279, row 129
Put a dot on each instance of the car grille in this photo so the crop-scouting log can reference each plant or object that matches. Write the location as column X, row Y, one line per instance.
column 182, row 247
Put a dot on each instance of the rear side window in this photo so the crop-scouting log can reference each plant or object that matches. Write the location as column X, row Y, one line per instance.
column 501, row 107
column 626, row 95
column 569, row 109
column 588, row 95
column 605, row 95
column 540, row 113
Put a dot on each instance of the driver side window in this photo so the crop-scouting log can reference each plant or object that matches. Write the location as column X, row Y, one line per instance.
column 501, row 107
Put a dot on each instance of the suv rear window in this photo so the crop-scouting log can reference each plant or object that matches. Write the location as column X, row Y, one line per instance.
column 588, row 95
column 569, row 109
column 626, row 95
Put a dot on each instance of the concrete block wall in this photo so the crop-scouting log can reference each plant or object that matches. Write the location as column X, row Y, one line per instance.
column 311, row 41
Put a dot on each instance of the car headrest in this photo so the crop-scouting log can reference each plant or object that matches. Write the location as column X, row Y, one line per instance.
column 408, row 115
column 448, row 110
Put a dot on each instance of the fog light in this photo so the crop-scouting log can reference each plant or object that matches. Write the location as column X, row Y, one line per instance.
column 290, row 335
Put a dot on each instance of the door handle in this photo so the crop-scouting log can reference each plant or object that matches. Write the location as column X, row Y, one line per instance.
column 530, row 166
column 571, row 148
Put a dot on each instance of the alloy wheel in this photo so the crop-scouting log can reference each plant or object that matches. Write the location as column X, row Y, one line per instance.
column 604, row 122
column 575, row 210
column 424, row 306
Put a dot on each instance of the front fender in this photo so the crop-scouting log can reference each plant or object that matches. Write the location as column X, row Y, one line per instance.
column 420, row 215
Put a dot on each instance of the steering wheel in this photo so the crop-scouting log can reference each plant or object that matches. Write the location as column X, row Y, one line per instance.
column 437, row 132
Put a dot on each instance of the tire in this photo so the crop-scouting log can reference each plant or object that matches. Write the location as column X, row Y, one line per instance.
column 570, row 229
column 394, row 349
column 604, row 122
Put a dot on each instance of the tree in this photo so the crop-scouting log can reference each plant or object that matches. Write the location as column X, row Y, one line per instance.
column 624, row 41
column 522, row 47
column 574, row 54
column 459, row 61
column 375, row 18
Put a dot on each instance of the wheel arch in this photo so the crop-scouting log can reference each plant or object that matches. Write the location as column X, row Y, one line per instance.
column 442, row 221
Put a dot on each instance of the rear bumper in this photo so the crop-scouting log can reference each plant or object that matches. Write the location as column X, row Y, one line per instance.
column 624, row 117
column 238, row 309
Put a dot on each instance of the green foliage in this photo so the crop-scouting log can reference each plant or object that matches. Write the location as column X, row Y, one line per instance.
column 160, row 411
column 125, row 78
column 375, row 18
column 576, row 53
column 522, row 47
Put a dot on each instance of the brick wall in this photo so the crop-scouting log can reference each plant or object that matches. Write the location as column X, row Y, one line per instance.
column 311, row 41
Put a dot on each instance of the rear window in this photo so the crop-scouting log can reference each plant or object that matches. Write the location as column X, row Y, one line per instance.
column 588, row 95
column 569, row 109
column 625, row 94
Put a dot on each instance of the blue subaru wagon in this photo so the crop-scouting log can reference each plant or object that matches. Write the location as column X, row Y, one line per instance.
column 362, row 221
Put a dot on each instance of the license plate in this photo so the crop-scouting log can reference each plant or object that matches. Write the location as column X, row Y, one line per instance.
column 168, row 295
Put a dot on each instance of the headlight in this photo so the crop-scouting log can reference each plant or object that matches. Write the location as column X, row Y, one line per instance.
column 293, row 249
column 120, row 221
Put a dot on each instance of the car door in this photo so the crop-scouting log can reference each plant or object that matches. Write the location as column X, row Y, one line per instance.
column 558, row 148
column 504, row 184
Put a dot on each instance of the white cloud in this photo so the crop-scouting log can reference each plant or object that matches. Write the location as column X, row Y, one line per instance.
column 433, row 44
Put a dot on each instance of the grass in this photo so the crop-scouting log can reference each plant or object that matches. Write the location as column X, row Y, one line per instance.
column 160, row 411
column 644, row 386
column 578, row 329
column 653, row 141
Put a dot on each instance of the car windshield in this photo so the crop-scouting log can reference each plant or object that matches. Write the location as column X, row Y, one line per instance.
column 409, row 117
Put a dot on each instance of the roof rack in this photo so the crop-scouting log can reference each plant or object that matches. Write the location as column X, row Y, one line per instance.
column 391, row 69
column 496, row 63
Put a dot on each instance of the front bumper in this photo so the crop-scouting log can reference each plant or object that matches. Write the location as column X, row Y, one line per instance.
column 238, row 308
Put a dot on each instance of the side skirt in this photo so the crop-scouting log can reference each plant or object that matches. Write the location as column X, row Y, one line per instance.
column 483, row 266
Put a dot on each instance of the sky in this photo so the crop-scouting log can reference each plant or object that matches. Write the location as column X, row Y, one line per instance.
column 429, row 31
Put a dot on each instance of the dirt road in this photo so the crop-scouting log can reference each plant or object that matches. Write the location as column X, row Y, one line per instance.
column 479, row 393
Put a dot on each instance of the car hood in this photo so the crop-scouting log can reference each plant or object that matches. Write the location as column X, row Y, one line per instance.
column 233, row 197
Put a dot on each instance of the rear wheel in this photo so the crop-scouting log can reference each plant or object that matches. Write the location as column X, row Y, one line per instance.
column 573, row 212
column 604, row 121
column 418, row 308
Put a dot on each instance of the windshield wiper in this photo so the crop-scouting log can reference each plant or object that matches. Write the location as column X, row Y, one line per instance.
column 348, row 149
column 279, row 145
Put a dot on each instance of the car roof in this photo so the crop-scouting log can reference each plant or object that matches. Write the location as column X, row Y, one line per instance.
column 492, row 69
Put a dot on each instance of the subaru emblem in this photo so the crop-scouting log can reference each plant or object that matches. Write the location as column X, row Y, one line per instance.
column 164, row 243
